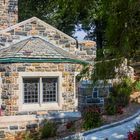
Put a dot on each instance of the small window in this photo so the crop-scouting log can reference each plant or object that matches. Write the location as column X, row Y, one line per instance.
column 31, row 88
column 40, row 90
column 49, row 89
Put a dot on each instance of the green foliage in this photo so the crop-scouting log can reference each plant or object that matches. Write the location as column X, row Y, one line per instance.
column 48, row 130
column 84, row 72
column 137, row 85
column 122, row 33
column 122, row 92
column 105, row 70
column 123, row 26
column 91, row 117
column 119, row 97
column 137, row 128
column 110, row 109
column 28, row 136
column 113, row 24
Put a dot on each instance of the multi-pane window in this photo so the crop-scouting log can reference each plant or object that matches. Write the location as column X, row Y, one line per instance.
column 49, row 89
column 40, row 90
column 31, row 88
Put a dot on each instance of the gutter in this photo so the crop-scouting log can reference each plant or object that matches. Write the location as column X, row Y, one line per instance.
column 41, row 60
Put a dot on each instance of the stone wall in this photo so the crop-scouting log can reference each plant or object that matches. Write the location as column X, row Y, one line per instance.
column 36, row 27
column 10, row 92
column 8, row 13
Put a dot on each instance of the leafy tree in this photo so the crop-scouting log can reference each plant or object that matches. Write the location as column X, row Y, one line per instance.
column 113, row 24
column 65, row 14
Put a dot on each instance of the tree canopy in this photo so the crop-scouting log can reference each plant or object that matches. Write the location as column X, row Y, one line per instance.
column 113, row 24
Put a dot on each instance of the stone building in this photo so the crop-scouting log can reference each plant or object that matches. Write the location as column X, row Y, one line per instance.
column 87, row 50
column 8, row 13
column 36, row 75
column 38, row 65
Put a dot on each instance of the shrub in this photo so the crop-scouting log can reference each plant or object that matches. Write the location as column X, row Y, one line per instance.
column 91, row 117
column 48, row 130
column 110, row 109
column 135, row 135
column 121, row 92
column 137, row 128
column 119, row 97
column 137, row 85
column 119, row 109
column 110, row 106
column 69, row 125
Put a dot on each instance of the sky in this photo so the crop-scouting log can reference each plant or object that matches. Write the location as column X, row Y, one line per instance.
column 80, row 35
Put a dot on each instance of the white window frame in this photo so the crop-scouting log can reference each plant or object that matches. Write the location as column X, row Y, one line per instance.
column 57, row 105
column 40, row 90
column 0, row 91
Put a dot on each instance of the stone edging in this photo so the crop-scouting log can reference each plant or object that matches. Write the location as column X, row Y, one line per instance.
column 111, row 125
column 84, row 134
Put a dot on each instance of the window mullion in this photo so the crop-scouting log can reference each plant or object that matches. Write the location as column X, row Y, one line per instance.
column 56, row 97
column 40, row 92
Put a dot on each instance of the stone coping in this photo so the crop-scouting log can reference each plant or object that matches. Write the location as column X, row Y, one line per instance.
column 84, row 134
column 19, row 120
column 112, row 124
column 60, row 115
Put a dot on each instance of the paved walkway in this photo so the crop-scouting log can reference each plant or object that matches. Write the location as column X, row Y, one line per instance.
column 114, row 133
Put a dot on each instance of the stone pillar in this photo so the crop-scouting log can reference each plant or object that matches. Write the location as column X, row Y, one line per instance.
column 8, row 13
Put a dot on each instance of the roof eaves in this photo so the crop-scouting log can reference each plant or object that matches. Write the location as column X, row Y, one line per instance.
column 41, row 60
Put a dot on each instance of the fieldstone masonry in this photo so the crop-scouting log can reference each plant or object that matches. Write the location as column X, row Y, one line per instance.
column 36, row 27
column 60, row 54
column 10, row 86
column 8, row 13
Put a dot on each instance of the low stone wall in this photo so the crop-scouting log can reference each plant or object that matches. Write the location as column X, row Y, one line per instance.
column 10, row 125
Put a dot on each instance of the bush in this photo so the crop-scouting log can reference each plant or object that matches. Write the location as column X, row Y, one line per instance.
column 119, row 97
column 137, row 85
column 135, row 135
column 91, row 117
column 110, row 109
column 48, row 130
column 137, row 128
column 121, row 92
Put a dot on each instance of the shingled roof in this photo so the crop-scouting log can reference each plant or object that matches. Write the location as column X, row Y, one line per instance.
column 35, row 49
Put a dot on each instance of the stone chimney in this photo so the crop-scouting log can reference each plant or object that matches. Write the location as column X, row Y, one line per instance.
column 8, row 13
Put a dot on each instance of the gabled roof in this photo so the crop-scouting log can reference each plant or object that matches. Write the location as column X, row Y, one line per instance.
column 35, row 19
column 36, row 27
column 35, row 49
